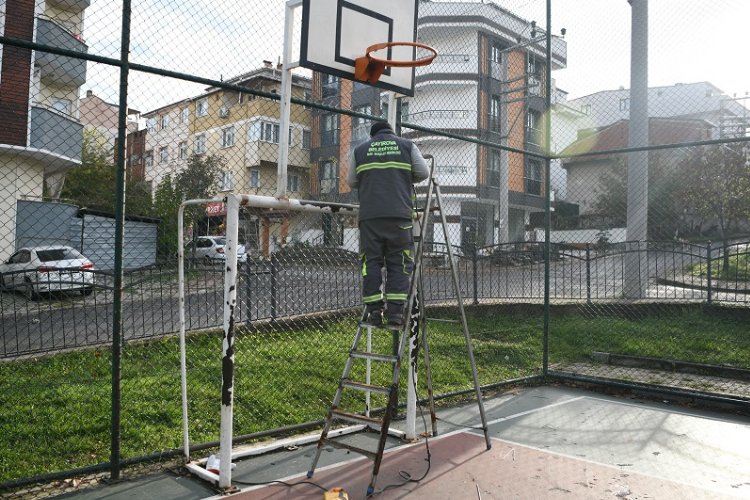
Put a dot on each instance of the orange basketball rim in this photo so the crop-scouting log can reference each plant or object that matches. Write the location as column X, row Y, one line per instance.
column 369, row 68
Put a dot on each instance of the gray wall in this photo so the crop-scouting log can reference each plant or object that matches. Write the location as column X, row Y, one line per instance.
column 93, row 234
column 139, row 249
column 42, row 223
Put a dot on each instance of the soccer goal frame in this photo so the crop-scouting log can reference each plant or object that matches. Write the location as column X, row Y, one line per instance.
column 234, row 203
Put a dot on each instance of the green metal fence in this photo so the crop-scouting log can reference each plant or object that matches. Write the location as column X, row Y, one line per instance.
column 597, row 196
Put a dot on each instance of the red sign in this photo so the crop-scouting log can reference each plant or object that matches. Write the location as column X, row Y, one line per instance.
column 216, row 209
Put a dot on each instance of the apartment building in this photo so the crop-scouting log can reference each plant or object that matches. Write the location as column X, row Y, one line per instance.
column 42, row 134
column 487, row 83
column 701, row 110
column 699, row 100
column 102, row 118
column 334, row 136
column 245, row 131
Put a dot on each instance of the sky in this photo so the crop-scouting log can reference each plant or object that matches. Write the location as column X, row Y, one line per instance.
column 689, row 41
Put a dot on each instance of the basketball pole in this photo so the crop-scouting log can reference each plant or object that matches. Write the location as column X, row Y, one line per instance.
column 286, row 97
column 410, row 430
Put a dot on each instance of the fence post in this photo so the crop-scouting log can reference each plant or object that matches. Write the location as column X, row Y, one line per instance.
column 248, row 291
column 708, row 270
column 588, row 273
column 476, row 275
column 274, row 264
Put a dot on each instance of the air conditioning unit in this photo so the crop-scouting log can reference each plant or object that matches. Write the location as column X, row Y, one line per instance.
column 223, row 112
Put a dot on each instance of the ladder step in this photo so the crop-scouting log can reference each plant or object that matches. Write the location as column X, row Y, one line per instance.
column 356, row 418
column 442, row 320
column 351, row 384
column 374, row 356
column 343, row 446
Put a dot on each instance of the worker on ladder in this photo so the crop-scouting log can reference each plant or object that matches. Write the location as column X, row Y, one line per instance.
column 384, row 171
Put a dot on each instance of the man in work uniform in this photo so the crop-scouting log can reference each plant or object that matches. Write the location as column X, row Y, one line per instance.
column 384, row 170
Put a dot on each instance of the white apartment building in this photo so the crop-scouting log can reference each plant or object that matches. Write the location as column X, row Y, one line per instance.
column 487, row 83
column 42, row 135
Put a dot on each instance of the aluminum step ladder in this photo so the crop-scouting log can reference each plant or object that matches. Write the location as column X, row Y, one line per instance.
column 414, row 318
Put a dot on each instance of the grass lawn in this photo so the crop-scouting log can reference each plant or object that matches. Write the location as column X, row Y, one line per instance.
column 55, row 410
column 738, row 270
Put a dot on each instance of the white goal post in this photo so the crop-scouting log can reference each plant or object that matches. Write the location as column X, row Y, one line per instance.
column 234, row 203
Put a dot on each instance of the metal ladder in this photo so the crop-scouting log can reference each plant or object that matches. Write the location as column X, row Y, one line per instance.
column 411, row 326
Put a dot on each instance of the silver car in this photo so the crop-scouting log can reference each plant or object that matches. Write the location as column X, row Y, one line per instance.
column 44, row 269
column 212, row 249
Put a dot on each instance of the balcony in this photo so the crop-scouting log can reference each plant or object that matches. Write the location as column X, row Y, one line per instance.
column 63, row 70
column 71, row 5
column 258, row 152
column 534, row 136
column 56, row 133
column 444, row 118
column 534, row 86
column 450, row 63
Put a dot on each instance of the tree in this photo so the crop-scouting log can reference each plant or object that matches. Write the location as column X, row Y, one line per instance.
column 94, row 184
column 166, row 203
column 199, row 180
column 664, row 204
column 717, row 185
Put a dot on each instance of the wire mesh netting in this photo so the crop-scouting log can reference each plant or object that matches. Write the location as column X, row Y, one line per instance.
column 593, row 162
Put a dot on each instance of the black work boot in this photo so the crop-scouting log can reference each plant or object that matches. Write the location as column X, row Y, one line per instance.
column 395, row 316
column 374, row 317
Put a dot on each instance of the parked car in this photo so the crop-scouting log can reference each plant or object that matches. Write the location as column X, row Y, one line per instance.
column 44, row 269
column 212, row 249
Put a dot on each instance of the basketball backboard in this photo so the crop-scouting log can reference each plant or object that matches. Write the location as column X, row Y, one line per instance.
column 336, row 32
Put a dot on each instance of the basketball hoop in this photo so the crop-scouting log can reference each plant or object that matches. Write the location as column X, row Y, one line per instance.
column 369, row 68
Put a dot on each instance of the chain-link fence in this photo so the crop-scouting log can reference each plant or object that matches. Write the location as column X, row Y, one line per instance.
column 596, row 193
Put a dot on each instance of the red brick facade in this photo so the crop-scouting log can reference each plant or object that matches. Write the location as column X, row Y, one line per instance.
column 16, row 71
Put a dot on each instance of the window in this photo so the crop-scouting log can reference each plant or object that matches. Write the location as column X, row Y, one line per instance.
column 360, row 126
column 200, row 144
column 586, row 109
column 328, row 177
column 226, row 183
column 201, row 107
column 182, row 149
column 404, row 110
column 184, row 116
column 61, row 105
column 495, row 106
column 625, row 104
column 151, row 124
column 493, row 175
column 254, row 178
column 149, row 159
column 164, row 122
column 533, row 177
column 269, row 132
column 533, row 127
column 163, row 154
column 289, row 139
column 329, row 84
column 533, row 68
column 384, row 110
column 306, row 139
column 292, row 183
column 329, row 129
column 21, row 257
column 496, row 53
column 227, row 137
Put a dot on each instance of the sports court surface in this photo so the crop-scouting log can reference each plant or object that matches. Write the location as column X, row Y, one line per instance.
column 547, row 442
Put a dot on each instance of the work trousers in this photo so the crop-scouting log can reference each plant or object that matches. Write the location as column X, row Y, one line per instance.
column 389, row 242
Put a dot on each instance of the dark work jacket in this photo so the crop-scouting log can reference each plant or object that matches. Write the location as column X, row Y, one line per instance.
column 384, row 177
